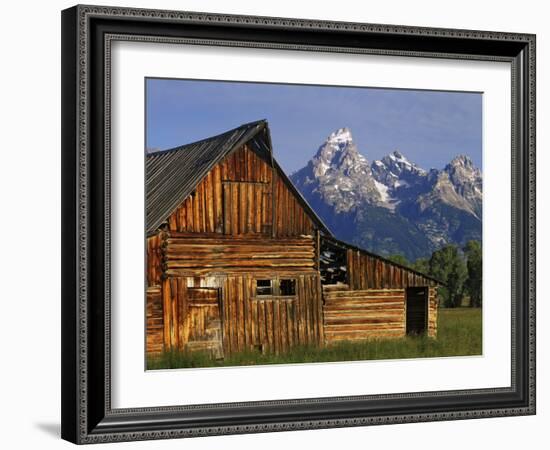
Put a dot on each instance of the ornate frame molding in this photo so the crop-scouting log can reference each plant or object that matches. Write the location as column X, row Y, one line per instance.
column 85, row 30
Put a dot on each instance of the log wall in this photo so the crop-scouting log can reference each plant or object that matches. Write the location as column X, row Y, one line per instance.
column 242, row 195
column 191, row 254
column 373, row 313
column 364, row 314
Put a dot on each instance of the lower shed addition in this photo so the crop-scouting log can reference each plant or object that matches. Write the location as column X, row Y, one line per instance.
column 356, row 315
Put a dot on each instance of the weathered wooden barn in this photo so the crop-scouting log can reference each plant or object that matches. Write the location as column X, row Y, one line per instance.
column 237, row 259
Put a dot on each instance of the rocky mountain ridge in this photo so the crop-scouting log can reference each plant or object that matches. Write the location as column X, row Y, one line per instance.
column 392, row 205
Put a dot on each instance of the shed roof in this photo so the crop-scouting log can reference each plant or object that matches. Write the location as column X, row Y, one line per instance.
column 172, row 175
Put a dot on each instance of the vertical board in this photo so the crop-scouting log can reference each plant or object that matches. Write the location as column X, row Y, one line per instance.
column 271, row 323
column 154, row 259
column 154, row 323
column 220, row 204
column 367, row 271
column 202, row 324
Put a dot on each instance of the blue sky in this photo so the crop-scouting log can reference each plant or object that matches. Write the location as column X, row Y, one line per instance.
column 429, row 127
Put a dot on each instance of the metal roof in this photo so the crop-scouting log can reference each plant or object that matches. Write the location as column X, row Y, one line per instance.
column 172, row 175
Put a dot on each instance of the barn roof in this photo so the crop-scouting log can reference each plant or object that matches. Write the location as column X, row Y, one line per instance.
column 172, row 175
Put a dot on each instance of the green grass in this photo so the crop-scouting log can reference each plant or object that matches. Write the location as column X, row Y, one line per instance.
column 459, row 334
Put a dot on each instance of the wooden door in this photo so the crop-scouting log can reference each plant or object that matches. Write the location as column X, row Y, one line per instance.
column 417, row 310
column 202, row 328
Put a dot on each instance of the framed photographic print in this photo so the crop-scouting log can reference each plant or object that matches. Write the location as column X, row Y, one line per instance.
column 281, row 224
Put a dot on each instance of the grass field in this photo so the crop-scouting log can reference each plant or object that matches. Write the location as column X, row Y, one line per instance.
column 459, row 334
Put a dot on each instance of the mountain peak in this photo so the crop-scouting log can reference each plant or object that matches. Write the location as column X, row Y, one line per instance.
column 396, row 158
column 341, row 135
column 462, row 160
column 396, row 154
column 339, row 174
column 395, row 170
column 338, row 153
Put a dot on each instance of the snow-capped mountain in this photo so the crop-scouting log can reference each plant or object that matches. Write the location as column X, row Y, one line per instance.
column 339, row 174
column 392, row 205
column 467, row 182
column 395, row 170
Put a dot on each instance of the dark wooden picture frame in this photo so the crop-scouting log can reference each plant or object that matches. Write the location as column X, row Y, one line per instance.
column 87, row 414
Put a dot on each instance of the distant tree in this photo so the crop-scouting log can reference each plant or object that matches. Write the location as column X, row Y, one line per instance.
column 399, row 259
column 447, row 265
column 422, row 265
column 473, row 253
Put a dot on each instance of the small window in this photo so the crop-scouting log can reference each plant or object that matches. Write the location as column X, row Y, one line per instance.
column 264, row 287
column 287, row 287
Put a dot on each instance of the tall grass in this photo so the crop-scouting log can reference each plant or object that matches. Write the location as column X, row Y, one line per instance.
column 459, row 334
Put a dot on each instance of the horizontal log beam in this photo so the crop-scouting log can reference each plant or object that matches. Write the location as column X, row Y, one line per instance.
column 373, row 309
column 243, row 263
column 174, row 236
column 365, row 293
column 366, row 328
column 386, row 318
column 259, row 272
column 361, row 336
column 258, row 254
column 364, row 300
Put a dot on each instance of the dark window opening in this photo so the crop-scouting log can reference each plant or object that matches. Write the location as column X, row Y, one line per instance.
column 264, row 287
column 287, row 287
column 332, row 262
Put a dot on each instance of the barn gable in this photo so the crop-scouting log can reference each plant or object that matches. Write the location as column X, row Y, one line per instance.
column 197, row 169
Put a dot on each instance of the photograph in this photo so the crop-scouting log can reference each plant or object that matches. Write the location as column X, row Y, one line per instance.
column 294, row 223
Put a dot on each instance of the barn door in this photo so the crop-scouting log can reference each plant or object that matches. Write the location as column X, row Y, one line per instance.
column 202, row 329
column 417, row 310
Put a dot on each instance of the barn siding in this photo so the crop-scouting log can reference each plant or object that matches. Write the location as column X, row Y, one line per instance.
column 271, row 323
column 366, row 271
column 154, row 259
column 433, row 304
column 155, row 338
column 185, row 254
column 242, row 195
column 290, row 219
column 363, row 314
column 247, row 322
